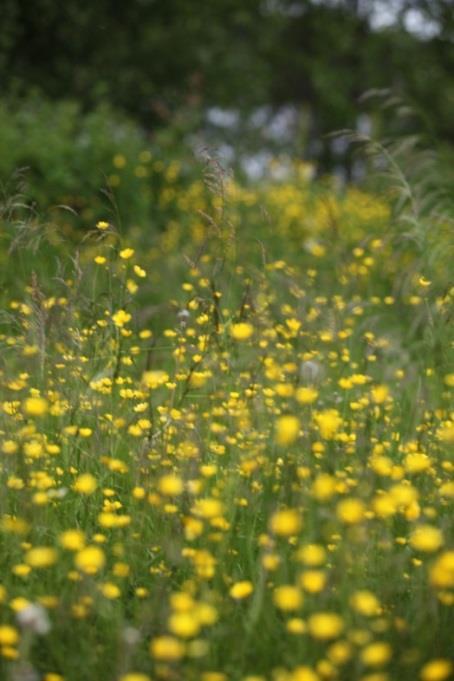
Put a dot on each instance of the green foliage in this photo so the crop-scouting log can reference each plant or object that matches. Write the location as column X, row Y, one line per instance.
column 164, row 62
column 203, row 407
column 90, row 165
column 143, row 56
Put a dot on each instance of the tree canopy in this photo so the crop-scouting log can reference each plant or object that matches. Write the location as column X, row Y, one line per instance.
column 152, row 59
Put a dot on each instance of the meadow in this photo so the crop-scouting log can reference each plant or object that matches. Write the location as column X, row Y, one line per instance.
column 226, row 444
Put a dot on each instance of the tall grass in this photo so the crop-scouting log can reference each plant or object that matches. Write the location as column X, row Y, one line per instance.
column 225, row 448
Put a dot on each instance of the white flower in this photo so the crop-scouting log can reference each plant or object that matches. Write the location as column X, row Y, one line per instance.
column 311, row 371
column 131, row 636
column 34, row 618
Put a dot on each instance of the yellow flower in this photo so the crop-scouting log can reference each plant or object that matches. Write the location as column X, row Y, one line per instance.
column 271, row 561
column 206, row 614
column 312, row 554
column 205, row 564
column 287, row 430
column 184, row 624
column 306, row 395
column 9, row 447
column 108, row 519
column 199, row 378
column 121, row 318
column 296, row 625
column 286, row 522
column 153, row 379
column 34, row 449
column 21, row 570
column 376, row 654
column 90, row 560
column 73, row 540
column 134, row 676
column 9, row 636
column 294, row 325
column 447, row 489
column 41, row 557
column 340, row 652
column 181, row 601
column 303, row 673
column 14, row 525
column 132, row 286
column 121, row 569
column 446, row 433
column 208, row 508
column 119, row 161
column 382, row 465
column 85, row 484
column 287, row 597
column 442, row 571
column 35, row 406
column 126, row 253
column 241, row 589
column 19, row 603
column 417, row 462
column 426, row 538
column 325, row 625
column 213, row 676
column 328, row 423
column 139, row 271
column 166, row 648
column 350, row 511
column 365, row 602
column 110, row 590
column 403, row 494
column 193, row 528
column 171, row 485
column 241, row 331
column 324, row 487
column 313, row 581
column 380, row 394
column 436, row 670
column 102, row 225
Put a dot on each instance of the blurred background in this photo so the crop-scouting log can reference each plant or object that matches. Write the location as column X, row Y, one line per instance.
column 100, row 94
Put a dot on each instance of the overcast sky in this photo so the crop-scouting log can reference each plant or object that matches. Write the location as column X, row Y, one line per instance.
column 385, row 13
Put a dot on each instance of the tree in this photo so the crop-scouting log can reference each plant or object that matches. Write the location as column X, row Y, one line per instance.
column 153, row 59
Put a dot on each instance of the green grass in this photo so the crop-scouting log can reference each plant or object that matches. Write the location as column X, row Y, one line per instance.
column 177, row 417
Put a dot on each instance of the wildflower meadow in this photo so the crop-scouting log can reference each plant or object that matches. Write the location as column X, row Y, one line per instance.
column 226, row 444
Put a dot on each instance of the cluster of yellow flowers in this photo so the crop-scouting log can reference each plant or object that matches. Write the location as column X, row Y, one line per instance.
column 228, row 470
